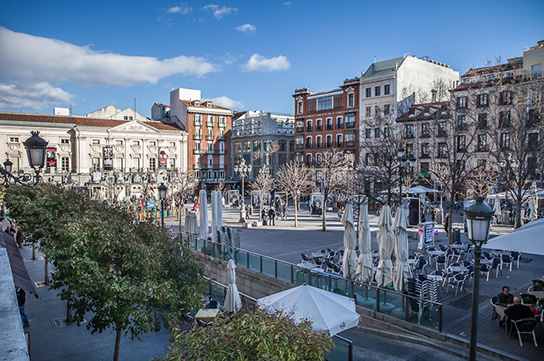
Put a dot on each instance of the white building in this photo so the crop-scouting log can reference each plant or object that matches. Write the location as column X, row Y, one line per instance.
column 112, row 112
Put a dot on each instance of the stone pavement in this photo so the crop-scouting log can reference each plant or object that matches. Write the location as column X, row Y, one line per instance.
column 286, row 243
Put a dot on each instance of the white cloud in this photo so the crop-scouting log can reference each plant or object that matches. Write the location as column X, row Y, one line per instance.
column 227, row 102
column 28, row 59
column 183, row 9
column 287, row 3
column 246, row 28
column 22, row 95
column 218, row 11
column 260, row 63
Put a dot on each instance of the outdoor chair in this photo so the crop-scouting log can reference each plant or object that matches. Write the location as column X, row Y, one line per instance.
column 442, row 247
column 538, row 285
column 440, row 261
column 496, row 265
column 506, row 261
column 450, row 255
column 457, row 282
column 438, row 275
column 494, row 300
column 527, row 326
column 528, row 299
column 306, row 258
column 516, row 256
column 419, row 266
column 485, row 270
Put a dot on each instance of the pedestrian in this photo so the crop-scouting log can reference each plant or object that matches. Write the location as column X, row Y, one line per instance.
column 272, row 216
column 21, row 298
column 20, row 238
column 263, row 216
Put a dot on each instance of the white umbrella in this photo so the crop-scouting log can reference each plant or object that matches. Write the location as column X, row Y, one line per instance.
column 349, row 263
column 219, row 210
column 422, row 190
column 232, row 300
column 329, row 312
column 364, row 263
column 497, row 207
column 191, row 226
column 203, row 214
column 384, row 273
column 527, row 239
column 532, row 210
column 402, row 271
column 214, row 216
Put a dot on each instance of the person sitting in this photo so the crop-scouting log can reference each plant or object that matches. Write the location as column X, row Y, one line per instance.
column 505, row 298
column 517, row 311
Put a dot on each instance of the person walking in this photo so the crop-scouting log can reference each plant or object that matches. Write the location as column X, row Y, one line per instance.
column 21, row 299
column 271, row 216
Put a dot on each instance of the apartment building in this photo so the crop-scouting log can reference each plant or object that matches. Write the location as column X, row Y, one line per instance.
column 326, row 120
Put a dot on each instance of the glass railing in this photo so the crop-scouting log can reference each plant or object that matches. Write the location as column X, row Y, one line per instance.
column 384, row 300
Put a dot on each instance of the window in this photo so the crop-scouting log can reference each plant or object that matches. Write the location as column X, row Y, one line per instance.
column 461, row 143
column 210, row 133
column 309, row 125
column 505, row 97
column 461, row 102
column 387, row 109
column 505, row 141
column 299, row 141
column 308, row 142
column 300, row 126
column 95, row 141
column 461, row 123
column 318, row 159
column 377, row 111
column 504, row 119
column 386, row 132
column 197, row 146
column 339, row 140
column 14, row 139
column 339, row 123
column 318, row 142
column 368, row 112
column 409, row 130
column 482, row 143
column 433, row 95
column 299, row 107
column 319, row 124
column 350, row 120
column 409, row 149
column 368, row 133
column 441, row 150
column 387, row 89
column 377, row 132
column 482, row 121
column 350, row 138
column 309, row 159
column 324, row 103
column 425, row 150
column 377, row 91
column 442, row 128
column 533, row 141
column 536, row 70
column 368, row 92
column 64, row 164
column 483, row 100
column 425, row 130
column 96, row 164
column 328, row 141
column 368, row 159
column 351, row 99
column 211, row 121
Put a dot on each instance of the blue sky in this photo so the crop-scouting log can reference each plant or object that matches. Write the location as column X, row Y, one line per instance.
column 242, row 54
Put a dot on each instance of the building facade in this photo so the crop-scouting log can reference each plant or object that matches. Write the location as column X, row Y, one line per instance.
column 327, row 120
column 114, row 159
column 209, row 130
column 262, row 139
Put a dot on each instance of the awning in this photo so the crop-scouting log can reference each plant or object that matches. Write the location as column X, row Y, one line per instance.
column 18, row 269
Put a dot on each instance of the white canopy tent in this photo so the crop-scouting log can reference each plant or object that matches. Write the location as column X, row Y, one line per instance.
column 527, row 239
column 329, row 312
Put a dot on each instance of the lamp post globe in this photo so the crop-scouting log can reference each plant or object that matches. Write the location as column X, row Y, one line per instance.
column 36, row 148
column 8, row 165
column 479, row 217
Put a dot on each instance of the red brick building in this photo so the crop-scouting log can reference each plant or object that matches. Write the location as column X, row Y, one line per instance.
column 327, row 120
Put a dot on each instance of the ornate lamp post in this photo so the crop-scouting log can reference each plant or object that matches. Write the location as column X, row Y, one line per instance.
column 243, row 170
column 162, row 196
column 479, row 217
column 36, row 148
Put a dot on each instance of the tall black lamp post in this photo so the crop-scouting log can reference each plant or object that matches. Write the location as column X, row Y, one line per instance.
column 162, row 196
column 402, row 164
column 243, row 170
column 36, row 148
column 479, row 217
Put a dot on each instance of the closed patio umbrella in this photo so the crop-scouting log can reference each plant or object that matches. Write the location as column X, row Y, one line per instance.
column 384, row 273
column 402, row 271
column 349, row 263
column 217, row 214
column 364, row 263
column 203, row 214
column 233, row 302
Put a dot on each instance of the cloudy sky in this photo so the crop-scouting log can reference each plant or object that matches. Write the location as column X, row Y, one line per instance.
column 241, row 54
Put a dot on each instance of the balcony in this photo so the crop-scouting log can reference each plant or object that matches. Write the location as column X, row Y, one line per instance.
column 309, row 128
column 425, row 135
column 329, row 126
column 410, row 135
column 197, row 136
column 318, row 127
column 300, row 129
column 319, row 145
column 328, row 144
column 339, row 144
column 198, row 122
column 300, row 146
column 222, row 124
column 197, row 151
column 339, row 126
column 308, row 146
column 350, row 143
column 210, row 137
column 210, row 124
column 350, row 125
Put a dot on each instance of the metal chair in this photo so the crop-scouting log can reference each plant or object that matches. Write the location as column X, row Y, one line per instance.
column 440, row 261
column 538, row 285
column 485, row 270
column 506, row 261
column 516, row 256
column 494, row 300
column 527, row 326
column 528, row 299
column 306, row 258
column 457, row 282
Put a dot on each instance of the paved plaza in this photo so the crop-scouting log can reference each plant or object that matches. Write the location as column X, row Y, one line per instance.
column 51, row 341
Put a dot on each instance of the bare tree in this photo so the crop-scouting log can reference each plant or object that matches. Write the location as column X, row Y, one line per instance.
column 293, row 177
column 331, row 173
column 481, row 182
column 264, row 183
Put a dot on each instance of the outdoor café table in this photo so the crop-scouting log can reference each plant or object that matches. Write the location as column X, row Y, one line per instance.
column 435, row 253
column 458, row 245
column 319, row 255
column 207, row 314
column 458, row 269
column 307, row 266
column 485, row 261
column 501, row 253
column 500, row 311
column 538, row 294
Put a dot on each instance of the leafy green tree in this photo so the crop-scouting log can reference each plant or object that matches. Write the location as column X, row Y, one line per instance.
column 251, row 335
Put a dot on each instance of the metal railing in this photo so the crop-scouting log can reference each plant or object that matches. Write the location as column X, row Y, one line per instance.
column 384, row 300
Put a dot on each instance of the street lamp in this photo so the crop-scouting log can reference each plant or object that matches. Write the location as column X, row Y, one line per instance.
column 36, row 148
column 402, row 164
column 162, row 196
column 243, row 170
column 479, row 217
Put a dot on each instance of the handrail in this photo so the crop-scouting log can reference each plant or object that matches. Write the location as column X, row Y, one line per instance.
column 299, row 275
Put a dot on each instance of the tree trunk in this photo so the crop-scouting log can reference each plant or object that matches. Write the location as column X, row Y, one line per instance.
column 296, row 209
column 117, row 344
column 517, row 222
column 34, row 250
column 46, row 270
column 69, row 317
column 324, row 214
